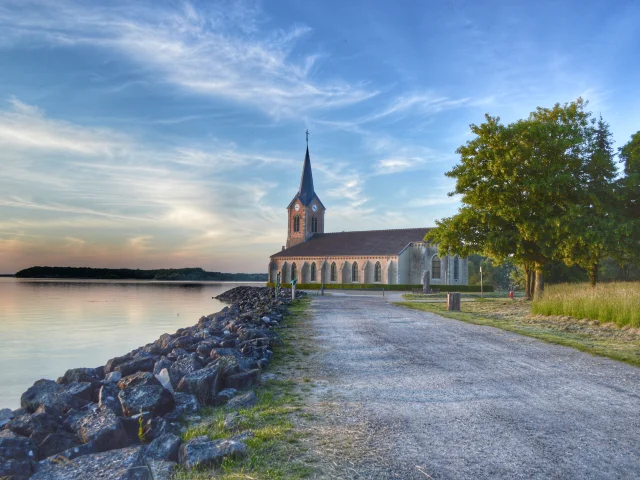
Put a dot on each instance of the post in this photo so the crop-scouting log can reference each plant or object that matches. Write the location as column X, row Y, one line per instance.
column 453, row 302
column 481, row 289
column 277, row 283
column 293, row 288
column 426, row 282
column 322, row 290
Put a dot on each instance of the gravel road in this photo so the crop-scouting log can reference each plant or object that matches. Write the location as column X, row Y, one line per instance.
column 446, row 399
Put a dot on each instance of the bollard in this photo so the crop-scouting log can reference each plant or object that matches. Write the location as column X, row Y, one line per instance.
column 453, row 302
column 293, row 291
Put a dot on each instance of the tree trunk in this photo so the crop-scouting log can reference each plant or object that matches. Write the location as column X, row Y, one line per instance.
column 531, row 276
column 592, row 271
column 539, row 281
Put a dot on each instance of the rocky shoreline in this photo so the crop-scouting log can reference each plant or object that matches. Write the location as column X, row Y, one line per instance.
column 123, row 420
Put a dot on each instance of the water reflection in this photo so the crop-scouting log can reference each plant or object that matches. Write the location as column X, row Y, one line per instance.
column 48, row 326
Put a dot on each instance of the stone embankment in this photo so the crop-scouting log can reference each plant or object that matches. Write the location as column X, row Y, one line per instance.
column 123, row 420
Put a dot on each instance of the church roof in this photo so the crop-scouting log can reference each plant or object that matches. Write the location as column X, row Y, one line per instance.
column 306, row 193
column 366, row 242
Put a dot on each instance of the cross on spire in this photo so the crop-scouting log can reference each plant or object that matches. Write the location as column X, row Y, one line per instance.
column 307, row 137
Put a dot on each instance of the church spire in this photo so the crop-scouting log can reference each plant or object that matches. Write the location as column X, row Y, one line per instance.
column 306, row 192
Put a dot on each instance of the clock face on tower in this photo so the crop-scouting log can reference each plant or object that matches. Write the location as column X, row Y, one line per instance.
column 297, row 207
column 314, row 208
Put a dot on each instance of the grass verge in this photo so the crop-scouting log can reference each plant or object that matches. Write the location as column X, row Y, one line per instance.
column 617, row 302
column 275, row 451
column 607, row 340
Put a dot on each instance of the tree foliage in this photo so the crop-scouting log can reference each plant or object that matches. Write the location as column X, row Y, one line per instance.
column 538, row 190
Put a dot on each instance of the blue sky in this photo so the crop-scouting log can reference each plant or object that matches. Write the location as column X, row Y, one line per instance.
column 171, row 134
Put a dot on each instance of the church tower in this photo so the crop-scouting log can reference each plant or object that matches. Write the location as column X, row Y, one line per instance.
column 306, row 211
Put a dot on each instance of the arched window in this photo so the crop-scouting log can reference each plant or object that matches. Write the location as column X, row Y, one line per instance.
column 296, row 223
column 354, row 272
column 435, row 267
column 377, row 274
column 313, row 272
column 294, row 271
column 334, row 273
column 314, row 224
column 456, row 268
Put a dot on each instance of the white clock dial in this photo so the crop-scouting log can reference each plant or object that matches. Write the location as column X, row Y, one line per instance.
column 297, row 207
column 314, row 208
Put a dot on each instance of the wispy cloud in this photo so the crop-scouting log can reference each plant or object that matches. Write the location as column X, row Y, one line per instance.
column 219, row 51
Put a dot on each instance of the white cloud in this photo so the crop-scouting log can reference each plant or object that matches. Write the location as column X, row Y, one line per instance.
column 217, row 51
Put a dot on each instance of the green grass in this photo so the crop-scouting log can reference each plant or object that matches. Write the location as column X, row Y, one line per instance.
column 515, row 316
column 443, row 295
column 617, row 302
column 276, row 451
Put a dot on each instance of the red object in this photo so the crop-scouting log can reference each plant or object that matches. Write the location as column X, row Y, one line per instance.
column 511, row 294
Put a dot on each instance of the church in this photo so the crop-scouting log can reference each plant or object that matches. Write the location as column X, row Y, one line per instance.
column 387, row 257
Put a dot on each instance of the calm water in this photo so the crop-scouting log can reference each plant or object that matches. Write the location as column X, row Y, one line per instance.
column 48, row 326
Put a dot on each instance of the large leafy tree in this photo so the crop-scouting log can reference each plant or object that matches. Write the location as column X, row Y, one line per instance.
column 591, row 225
column 518, row 184
column 628, row 194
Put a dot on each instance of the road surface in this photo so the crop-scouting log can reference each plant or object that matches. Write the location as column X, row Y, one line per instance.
column 447, row 399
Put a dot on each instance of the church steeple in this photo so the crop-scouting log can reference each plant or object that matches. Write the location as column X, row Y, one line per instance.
column 306, row 212
column 306, row 192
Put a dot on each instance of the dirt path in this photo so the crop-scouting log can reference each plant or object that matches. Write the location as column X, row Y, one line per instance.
column 408, row 394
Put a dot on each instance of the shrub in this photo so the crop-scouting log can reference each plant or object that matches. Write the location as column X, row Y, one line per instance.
column 380, row 286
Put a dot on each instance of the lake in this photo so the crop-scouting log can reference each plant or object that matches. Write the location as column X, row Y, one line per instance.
column 49, row 326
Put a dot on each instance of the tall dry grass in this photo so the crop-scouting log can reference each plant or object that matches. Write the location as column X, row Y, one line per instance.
column 617, row 302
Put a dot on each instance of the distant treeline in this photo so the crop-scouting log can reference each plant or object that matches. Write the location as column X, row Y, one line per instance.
column 129, row 274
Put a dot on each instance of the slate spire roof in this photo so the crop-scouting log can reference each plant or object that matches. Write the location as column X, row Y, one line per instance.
column 306, row 192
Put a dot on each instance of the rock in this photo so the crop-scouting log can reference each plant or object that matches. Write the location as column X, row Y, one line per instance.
column 203, row 383
column 245, row 400
column 113, row 377
column 36, row 426
column 108, row 398
column 244, row 436
column 140, row 378
column 146, row 398
column 185, row 342
column 165, row 447
column 224, row 396
column 41, row 392
column 243, row 380
column 89, row 375
column 201, row 451
column 267, row 377
column 162, row 364
column 59, row 397
column 104, row 430
column 122, row 464
column 134, row 366
column 160, row 469
column 114, row 362
column 204, row 349
column 182, row 366
column 56, row 443
column 165, row 379
column 17, row 455
column 232, row 420
column 186, row 404
column 5, row 415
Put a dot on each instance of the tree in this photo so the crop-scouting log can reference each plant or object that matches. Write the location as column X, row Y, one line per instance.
column 628, row 194
column 591, row 225
column 518, row 183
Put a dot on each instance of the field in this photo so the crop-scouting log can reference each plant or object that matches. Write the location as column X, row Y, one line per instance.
column 608, row 302
column 589, row 335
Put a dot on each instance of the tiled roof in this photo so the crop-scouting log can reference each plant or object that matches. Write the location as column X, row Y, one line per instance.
column 367, row 242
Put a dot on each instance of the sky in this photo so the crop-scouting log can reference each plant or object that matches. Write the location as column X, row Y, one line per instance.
column 167, row 134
